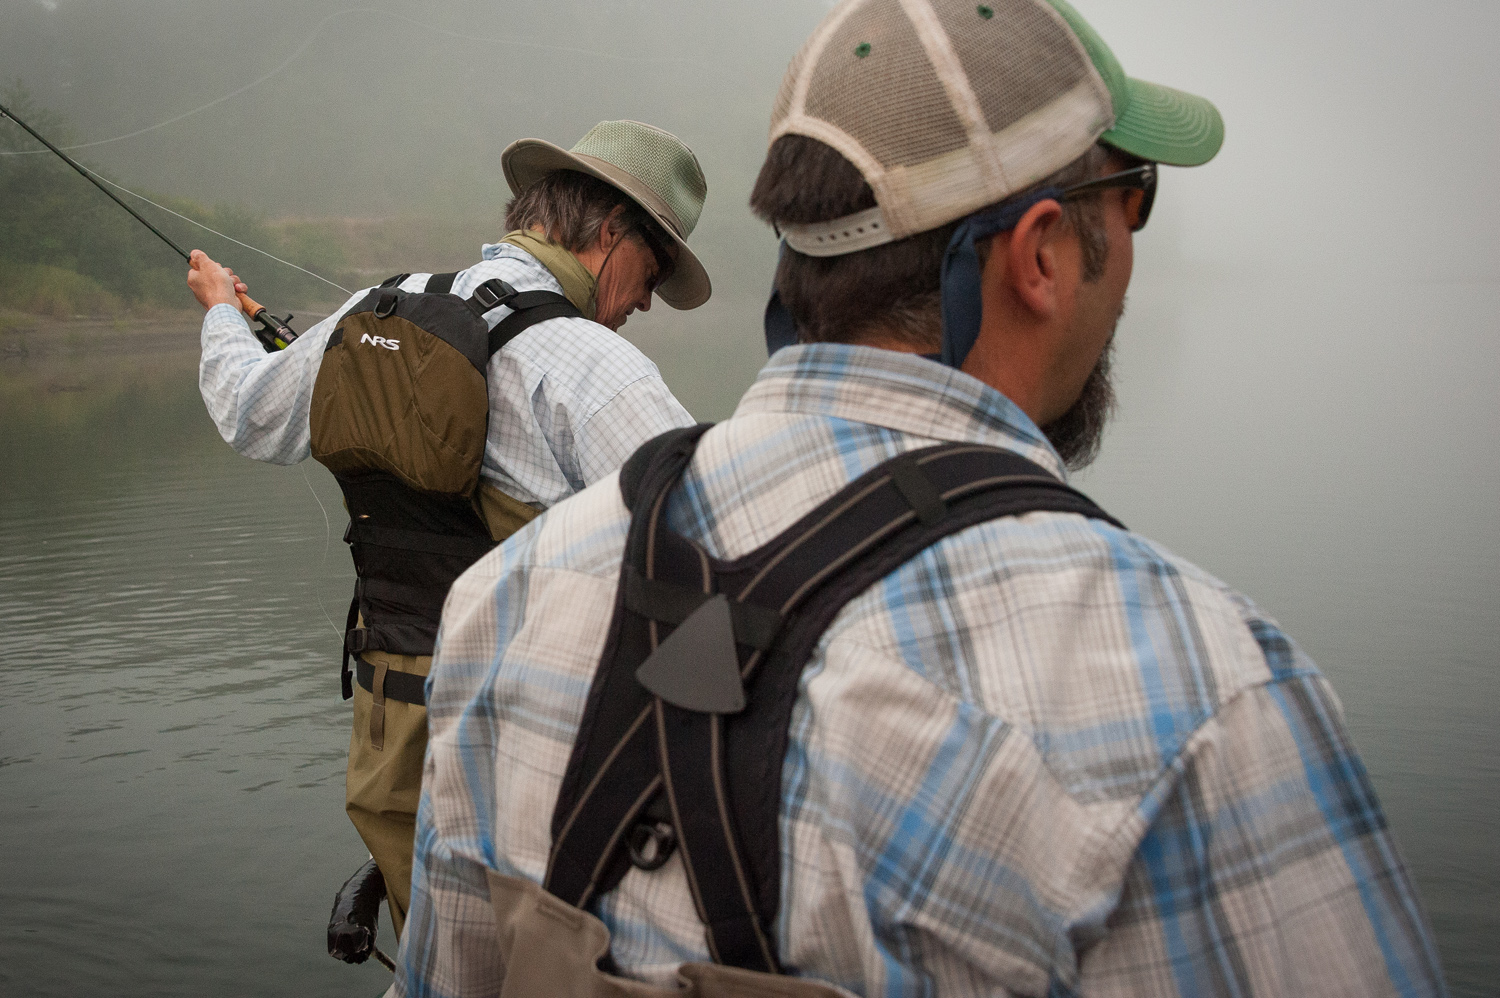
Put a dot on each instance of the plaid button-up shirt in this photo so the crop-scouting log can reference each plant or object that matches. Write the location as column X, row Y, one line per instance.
column 1044, row 757
column 569, row 400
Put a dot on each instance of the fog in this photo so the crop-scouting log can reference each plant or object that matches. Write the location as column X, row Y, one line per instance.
column 1308, row 369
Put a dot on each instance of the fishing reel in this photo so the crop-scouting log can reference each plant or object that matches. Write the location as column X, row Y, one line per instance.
column 274, row 334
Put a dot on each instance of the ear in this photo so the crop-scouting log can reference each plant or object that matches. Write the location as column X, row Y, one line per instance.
column 1031, row 259
column 612, row 231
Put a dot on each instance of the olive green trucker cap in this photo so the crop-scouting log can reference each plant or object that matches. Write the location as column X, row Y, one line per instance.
column 947, row 106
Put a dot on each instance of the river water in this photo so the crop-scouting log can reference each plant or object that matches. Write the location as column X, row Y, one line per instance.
column 172, row 741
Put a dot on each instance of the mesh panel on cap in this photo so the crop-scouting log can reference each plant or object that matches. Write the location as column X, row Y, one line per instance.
column 783, row 105
column 853, row 93
column 1017, row 60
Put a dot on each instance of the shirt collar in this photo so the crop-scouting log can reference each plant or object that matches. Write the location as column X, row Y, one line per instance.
column 898, row 391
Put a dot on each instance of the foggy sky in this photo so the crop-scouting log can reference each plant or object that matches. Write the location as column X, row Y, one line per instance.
column 1361, row 136
column 1342, row 248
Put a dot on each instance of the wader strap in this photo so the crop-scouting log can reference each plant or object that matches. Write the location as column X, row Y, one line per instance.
column 437, row 284
column 407, row 687
column 350, row 625
column 377, row 708
column 720, row 768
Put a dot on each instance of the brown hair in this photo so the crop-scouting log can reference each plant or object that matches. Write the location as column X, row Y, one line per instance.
column 571, row 207
column 892, row 289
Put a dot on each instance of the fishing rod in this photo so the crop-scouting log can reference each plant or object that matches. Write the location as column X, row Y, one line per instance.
column 274, row 334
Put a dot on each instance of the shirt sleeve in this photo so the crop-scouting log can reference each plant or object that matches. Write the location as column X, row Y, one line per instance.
column 261, row 401
column 1266, row 867
column 640, row 411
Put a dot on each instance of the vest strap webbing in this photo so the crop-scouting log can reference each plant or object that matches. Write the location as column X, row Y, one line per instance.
column 721, row 773
column 407, row 687
column 530, row 307
column 438, row 284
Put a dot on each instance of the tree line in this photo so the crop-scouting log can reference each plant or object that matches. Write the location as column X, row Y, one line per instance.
column 67, row 250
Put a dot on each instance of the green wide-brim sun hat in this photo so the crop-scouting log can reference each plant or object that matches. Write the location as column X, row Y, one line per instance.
column 654, row 168
column 1153, row 122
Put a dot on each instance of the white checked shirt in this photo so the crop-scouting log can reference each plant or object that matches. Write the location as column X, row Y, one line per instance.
column 1043, row 757
column 569, row 399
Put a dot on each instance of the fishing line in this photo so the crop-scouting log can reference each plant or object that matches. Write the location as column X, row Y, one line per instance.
column 312, row 35
column 221, row 235
column 327, row 538
column 98, row 180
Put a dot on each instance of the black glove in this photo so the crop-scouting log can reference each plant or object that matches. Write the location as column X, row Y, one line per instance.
column 356, row 914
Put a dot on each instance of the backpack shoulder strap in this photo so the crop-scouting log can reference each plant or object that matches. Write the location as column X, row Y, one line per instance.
column 653, row 729
column 527, row 309
column 437, row 284
column 661, row 461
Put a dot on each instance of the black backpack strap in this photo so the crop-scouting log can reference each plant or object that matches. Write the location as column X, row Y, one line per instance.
column 391, row 282
column 667, row 455
column 437, row 284
column 681, row 620
column 529, row 308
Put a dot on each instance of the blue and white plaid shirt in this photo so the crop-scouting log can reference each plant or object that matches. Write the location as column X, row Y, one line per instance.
column 569, row 399
column 1044, row 757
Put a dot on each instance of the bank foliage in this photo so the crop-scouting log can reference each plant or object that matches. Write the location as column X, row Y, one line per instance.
column 67, row 250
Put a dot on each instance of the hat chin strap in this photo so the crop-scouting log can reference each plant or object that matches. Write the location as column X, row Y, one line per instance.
column 963, row 306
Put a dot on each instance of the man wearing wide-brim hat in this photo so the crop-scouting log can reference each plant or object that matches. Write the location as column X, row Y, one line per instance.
column 604, row 224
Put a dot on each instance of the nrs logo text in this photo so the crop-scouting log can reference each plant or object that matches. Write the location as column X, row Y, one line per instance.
column 381, row 341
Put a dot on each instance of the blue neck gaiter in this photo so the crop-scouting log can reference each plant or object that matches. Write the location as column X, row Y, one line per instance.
column 962, row 306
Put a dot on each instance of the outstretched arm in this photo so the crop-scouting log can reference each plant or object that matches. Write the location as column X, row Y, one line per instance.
column 259, row 401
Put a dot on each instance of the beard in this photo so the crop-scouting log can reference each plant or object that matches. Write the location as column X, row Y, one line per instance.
column 1077, row 433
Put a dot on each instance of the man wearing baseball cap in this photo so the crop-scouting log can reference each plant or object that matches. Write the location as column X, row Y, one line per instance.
column 604, row 225
column 1029, row 752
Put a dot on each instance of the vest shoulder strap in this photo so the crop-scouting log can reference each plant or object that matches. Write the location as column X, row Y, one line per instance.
column 437, row 284
column 529, row 308
column 685, row 729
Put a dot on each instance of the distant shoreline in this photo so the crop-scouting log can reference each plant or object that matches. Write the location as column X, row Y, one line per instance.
column 42, row 336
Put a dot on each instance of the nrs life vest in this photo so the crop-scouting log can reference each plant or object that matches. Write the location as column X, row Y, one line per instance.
column 684, row 733
column 400, row 415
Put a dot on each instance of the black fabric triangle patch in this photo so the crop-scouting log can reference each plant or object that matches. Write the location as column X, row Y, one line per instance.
column 698, row 667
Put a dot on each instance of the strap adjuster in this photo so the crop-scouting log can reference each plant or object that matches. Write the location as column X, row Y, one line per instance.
column 492, row 294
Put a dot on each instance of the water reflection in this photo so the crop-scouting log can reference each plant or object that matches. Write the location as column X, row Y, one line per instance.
column 172, row 740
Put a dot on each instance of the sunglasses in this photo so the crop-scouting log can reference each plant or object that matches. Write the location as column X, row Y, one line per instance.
column 1140, row 178
column 665, row 265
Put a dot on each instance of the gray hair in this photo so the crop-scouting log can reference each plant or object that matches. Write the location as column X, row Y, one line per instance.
column 571, row 207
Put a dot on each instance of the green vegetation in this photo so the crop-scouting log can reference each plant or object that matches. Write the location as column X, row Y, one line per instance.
column 67, row 250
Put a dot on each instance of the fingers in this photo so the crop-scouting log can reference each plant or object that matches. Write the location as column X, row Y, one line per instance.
column 211, row 283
